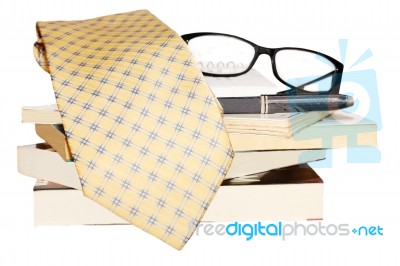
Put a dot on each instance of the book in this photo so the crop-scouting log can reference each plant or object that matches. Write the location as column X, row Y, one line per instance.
column 41, row 160
column 54, row 135
column 291, row 193
column 55, row 204
column 338, row 130
column 44, row 114
column 335, row 131
column 294, row 193
column 279, row 124
column 251, row 162
column 250, row 84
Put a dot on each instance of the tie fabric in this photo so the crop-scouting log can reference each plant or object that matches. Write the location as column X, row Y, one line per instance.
column 145, row 131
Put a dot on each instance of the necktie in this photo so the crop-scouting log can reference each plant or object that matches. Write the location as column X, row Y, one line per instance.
column 144, row 129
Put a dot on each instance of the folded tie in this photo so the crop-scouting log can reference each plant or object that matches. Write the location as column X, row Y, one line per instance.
column 145, row 131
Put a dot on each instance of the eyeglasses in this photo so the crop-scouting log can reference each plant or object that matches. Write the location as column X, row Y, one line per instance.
column 302, row 70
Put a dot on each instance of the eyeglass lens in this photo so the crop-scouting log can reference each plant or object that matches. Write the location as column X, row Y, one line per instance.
column 221, row 55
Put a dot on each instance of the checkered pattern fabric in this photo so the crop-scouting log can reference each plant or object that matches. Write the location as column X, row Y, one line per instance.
column 145, row 131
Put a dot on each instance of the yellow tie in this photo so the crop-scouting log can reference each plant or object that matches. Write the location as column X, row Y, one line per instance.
column 144, row 129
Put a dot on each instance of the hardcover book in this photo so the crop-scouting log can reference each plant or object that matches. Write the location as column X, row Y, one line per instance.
column 293, row 193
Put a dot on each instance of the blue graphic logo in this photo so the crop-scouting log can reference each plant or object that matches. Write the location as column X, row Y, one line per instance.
column 364, row 89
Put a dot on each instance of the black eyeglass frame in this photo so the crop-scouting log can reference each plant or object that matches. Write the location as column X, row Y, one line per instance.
column 259, row 50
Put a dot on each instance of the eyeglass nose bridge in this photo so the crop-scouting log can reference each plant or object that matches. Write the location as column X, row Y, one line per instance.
column 264, row 50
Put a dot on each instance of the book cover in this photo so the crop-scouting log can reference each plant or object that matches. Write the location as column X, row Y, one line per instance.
column 54, row 135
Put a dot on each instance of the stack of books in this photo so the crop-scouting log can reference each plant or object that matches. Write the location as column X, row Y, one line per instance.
column 269, row 178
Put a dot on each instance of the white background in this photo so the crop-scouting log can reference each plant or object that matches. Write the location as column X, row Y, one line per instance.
column 357, row 194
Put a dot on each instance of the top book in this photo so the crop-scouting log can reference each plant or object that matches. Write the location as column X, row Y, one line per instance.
column 279, row 124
